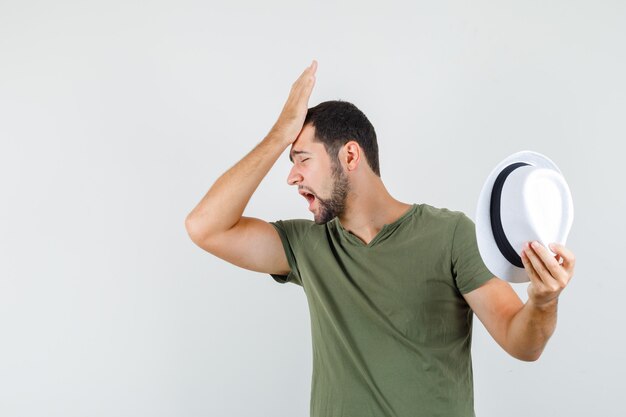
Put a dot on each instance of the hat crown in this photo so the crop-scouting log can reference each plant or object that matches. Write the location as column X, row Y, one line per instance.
column 536, row 205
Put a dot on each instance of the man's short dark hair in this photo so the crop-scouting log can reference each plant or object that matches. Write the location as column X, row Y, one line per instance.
column 337, row 122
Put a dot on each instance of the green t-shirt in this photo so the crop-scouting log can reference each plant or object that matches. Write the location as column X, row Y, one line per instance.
column 390, row 328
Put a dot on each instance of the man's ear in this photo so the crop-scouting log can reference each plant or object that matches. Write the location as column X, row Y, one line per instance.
column 351, row 155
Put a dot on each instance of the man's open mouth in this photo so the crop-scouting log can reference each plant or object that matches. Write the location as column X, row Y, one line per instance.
column 309, row 196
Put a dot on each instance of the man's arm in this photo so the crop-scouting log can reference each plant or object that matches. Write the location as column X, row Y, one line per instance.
column 216, row 224
column 520, row 329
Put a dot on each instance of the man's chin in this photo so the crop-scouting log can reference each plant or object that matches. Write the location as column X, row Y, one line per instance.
column 322, row 218
column 318, row 219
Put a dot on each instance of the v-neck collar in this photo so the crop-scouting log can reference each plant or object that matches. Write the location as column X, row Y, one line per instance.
column 384, row 231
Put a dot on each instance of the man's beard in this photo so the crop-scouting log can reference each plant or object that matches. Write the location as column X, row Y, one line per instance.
column 336, row 204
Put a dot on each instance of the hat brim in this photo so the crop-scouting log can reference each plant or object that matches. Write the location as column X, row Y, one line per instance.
column 487, row 246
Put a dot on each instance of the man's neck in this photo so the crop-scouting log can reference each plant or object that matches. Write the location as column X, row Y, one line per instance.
column 370, row 208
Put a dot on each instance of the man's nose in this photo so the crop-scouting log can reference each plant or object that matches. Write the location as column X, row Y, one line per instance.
column 294, row 176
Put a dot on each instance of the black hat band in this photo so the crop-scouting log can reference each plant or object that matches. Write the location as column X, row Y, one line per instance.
column 496, row 220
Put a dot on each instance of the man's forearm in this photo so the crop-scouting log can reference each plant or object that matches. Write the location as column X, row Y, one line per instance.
column 530, row 330
column 223, row 205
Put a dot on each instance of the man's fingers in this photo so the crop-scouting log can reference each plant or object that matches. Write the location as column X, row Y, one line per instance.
column 539, row 265
column 530, row 270
column 307, row 76
column 310, row 70
column 569, row 260
column 303, row 86
column 537, row 268
column 552, row 266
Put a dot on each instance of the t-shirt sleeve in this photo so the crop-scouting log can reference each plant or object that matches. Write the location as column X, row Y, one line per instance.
column 290, row 235
column 468, row 268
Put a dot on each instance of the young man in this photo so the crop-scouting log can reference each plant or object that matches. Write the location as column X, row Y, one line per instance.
column 391, row 286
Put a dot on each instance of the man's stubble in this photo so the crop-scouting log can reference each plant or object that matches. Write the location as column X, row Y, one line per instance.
column 336, row 204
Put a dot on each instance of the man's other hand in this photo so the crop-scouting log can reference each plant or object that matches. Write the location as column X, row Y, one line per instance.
column 291, row 119
column 548, row 274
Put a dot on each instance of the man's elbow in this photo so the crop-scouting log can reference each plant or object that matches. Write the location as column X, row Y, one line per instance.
column 531, row 356
column 196, row 233
column 204, row 236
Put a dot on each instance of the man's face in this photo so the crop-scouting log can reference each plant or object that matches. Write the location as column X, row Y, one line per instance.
column 319, row 179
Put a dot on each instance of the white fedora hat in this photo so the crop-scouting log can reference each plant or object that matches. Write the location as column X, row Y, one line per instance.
column 524, row 198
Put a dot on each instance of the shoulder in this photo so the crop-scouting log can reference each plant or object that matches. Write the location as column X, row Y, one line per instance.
column 299, row 223
column 449, row 225
column 442, row 216
column 297, row 227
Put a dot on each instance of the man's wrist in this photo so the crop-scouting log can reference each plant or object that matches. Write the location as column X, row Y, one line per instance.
column 545, row 306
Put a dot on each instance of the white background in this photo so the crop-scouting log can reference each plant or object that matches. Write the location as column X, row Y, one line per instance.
column 117, row 116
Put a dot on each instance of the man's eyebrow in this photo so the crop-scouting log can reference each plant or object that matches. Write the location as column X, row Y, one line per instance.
column 292, row 153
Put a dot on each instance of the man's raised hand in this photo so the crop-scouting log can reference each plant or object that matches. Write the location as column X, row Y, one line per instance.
column 291, row 119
